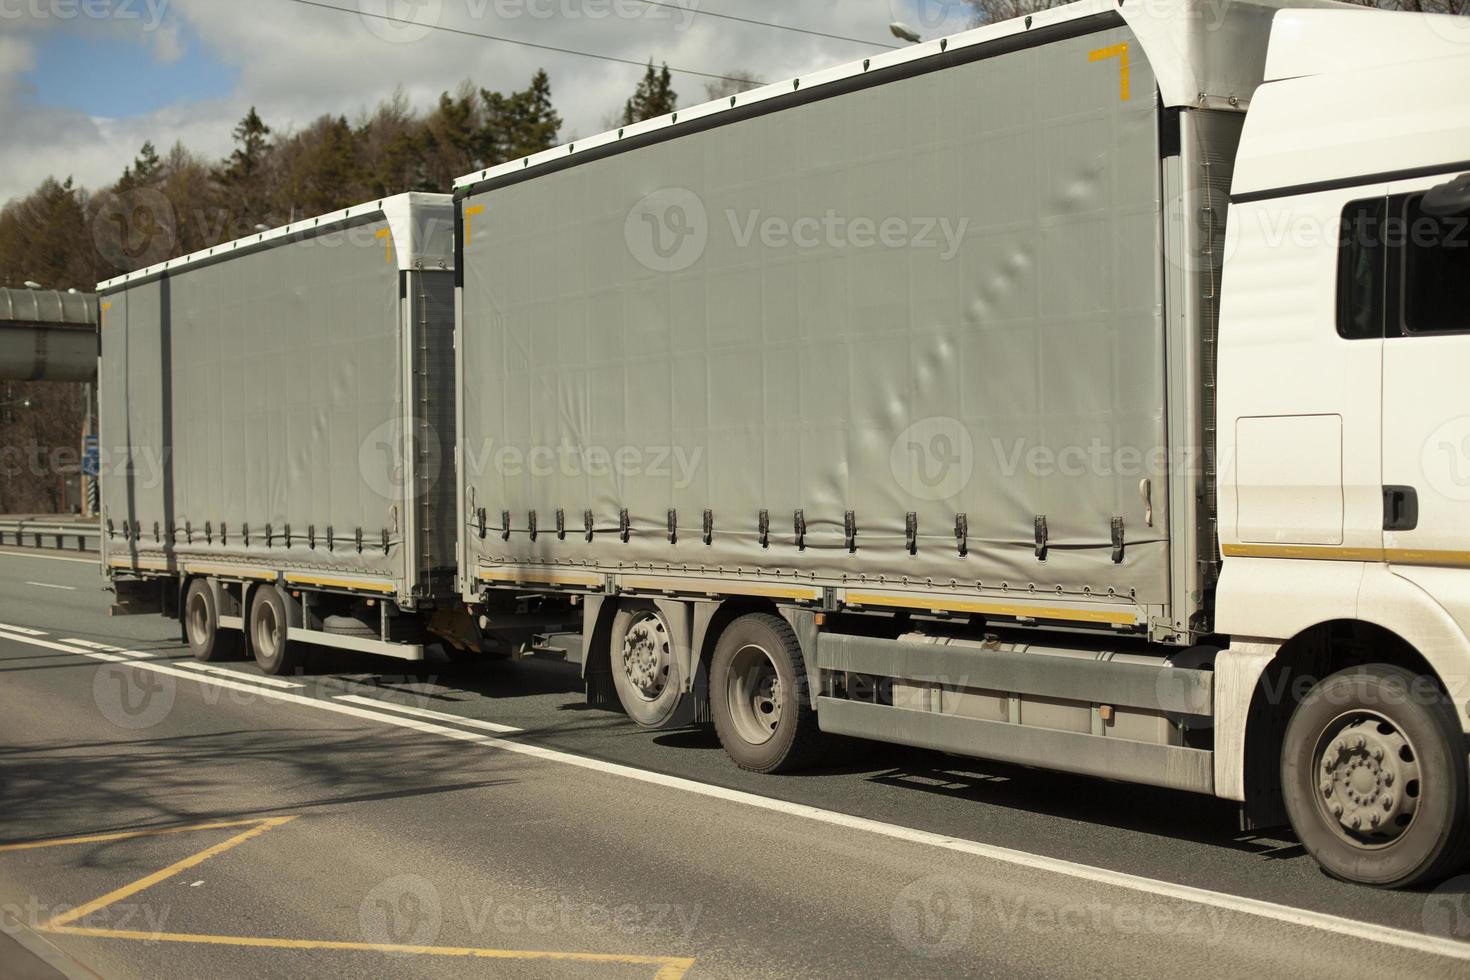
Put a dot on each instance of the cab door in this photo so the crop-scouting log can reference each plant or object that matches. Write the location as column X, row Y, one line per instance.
column 1426, row 377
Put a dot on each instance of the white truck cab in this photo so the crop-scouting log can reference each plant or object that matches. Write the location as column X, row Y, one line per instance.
column 1344, row 430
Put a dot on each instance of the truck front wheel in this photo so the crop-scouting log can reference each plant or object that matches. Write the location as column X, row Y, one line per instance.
column 207, row 642
column 758, row 696
column 1373, row 770
column 269, row 626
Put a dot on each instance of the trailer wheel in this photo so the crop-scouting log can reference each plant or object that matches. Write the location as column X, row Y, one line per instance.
column 207, row 642
column 758, row 696
column 1373, row 771
column 269, row 624
column 644, row 663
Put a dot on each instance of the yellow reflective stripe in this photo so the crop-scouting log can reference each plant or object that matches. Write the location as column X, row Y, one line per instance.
column 514, row 575
column 1316, row 552
column 1020, row 610
column 341, row 583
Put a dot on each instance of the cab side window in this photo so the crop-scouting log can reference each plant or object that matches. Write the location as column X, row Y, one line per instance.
column 1362, row 269
column 1435, row 279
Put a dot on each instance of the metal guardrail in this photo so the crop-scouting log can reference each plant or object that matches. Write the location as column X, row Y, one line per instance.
column 37, row 533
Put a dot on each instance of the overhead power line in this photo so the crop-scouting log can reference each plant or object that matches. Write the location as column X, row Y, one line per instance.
column 511, row 40
column 765, row 23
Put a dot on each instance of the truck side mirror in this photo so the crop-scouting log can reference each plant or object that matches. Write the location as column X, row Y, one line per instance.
column 1451, row 197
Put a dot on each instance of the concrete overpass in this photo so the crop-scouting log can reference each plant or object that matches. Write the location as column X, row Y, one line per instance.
column 47, row 335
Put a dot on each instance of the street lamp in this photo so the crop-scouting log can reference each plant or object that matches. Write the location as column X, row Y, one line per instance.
column 904, row 32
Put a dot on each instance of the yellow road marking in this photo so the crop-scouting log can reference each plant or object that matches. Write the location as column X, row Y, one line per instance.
column 148, row 881
column 673, row 967
column 670, row 967
column 1119, row 51
column 125, row 835
column 994, row 608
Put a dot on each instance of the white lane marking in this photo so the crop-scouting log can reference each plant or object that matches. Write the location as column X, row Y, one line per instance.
column 93, row 645
column 24, row 630
column 488, row 726
column 1322, row 921
column 48, row 585
column 8, row 553
column 252, row 678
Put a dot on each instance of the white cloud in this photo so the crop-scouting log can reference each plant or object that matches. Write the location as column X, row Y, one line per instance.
column 296, row 62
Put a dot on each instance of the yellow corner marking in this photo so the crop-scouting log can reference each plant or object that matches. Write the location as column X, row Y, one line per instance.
column 1119, row 51
column 387, row 235
column 125, row 835
column 673, row 967
column 469, row 213
column 148, row 881
column 1017, row 609
column 670, row 967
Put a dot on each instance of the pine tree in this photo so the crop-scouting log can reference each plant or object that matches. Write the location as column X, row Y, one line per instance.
column 654, row 96
column 243, row 174
column 145, row 169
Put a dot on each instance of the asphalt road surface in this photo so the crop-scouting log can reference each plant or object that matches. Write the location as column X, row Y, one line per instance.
column 371, row 817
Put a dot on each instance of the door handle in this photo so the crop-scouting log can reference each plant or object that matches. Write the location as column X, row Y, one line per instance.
column 1400, row 508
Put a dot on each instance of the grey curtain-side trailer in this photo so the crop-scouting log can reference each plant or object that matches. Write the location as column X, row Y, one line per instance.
column 278, row 427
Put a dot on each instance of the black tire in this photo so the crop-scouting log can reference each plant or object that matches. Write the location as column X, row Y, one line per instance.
column 1374, row 774
column 759, row 697
column 207, row 642
column 274, row 652
column 644, row 662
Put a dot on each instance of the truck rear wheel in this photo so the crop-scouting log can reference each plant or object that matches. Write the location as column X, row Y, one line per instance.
column 269, row 637
column 758, row 696
column 1373, row 770
column 207, row 642
column 644, row 664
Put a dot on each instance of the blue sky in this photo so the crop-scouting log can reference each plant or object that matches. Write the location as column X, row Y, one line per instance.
column 121, row 75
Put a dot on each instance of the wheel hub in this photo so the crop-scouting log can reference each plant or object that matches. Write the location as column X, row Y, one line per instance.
column 1369, row 780
column 755, row 695
column 198, row 619
column 646, row 656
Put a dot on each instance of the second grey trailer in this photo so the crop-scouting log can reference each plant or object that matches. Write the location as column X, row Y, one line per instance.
column 277, row 433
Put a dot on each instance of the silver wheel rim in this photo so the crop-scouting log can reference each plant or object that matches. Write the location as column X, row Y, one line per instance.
column 1367, row 779
column 267, row 631
column 198, row 619
column 647, row 655
column 754, row 694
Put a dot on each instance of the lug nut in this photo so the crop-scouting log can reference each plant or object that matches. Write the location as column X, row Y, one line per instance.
column 1388, row 777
